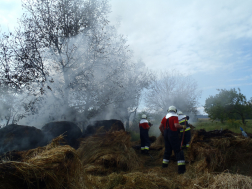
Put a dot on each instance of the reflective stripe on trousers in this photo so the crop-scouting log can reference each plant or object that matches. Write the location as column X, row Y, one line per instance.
column 181, row 162
column 165, row 161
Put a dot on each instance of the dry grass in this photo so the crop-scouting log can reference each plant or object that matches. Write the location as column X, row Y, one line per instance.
column 220, row 153
column 107, row 161
column 158, row 144
column 211, row 154
column 111, row 152
column 222, row 181
column 129, row 181
column 50, row 167
column 166, row 179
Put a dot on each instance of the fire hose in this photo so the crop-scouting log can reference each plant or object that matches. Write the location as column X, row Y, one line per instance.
column 182, row 141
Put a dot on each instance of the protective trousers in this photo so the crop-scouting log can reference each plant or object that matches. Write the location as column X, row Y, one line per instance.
column 172, row 142
column 187, row 139
column 145, row 141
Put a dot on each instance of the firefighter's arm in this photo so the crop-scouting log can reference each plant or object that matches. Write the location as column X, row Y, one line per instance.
column 148, row 127
column 161, row 128
column 178, row 126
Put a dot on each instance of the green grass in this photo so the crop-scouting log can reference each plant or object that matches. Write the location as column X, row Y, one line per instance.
column 233, row 125
column 134, row 136
column 208, row 125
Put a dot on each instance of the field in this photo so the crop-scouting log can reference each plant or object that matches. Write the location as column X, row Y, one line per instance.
column 204, row 123
column 233, row 125
column 215, row 159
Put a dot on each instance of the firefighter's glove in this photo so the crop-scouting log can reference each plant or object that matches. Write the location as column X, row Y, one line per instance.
column 184, row 127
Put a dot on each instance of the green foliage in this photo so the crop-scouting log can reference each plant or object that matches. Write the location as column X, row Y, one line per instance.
column 233, row 125
column 134, row 136
column 228, row 104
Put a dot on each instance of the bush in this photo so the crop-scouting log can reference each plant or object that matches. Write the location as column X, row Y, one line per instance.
column 232, row 123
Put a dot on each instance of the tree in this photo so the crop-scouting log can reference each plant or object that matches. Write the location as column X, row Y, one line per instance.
column 48, row 45
column 136, row 79
column 12, row 108
column 228, row 104
column 173, row 89
column 71, row 60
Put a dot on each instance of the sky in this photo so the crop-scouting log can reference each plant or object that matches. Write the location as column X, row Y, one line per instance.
column 209, row 40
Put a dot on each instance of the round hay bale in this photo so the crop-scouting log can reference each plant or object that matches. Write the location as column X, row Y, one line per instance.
column 20, row 137
column 103, row 125
column 70, row 130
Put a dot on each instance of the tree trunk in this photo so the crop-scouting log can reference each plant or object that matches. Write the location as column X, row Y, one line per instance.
column 127, row 125
column 243, row 120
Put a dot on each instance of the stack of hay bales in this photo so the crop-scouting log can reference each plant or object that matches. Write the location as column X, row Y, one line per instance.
column 107, row 153
column 50, row 167
column 220, row 150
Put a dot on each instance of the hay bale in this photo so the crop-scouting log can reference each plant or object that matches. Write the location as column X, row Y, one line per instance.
column 50, row 167
column 20, row 137
column 103, row 125
column 70, row 130
column 220, row 151
column 111, row 151
column 202, row 134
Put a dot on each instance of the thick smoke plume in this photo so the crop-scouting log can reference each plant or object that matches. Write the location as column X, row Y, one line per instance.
column 83, row 72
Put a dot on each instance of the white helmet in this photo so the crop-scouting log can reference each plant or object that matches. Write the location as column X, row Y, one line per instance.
column 144, row 116
column 172, row 108
column 180, row 113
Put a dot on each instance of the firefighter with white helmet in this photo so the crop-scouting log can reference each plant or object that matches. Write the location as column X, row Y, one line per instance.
column 180, row 113
column 144, row 135
column 183, row 120
column 168, row 128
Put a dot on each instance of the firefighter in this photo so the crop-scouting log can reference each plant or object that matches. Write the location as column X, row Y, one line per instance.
column 183, row 120
column 144, row 135
column 168, row 128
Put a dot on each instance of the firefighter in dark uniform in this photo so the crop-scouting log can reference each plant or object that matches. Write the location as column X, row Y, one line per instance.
column 144, row 135
column 168, row 128
column 183, row 120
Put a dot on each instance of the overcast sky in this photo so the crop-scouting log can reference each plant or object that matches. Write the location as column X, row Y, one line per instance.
column 209, row 40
